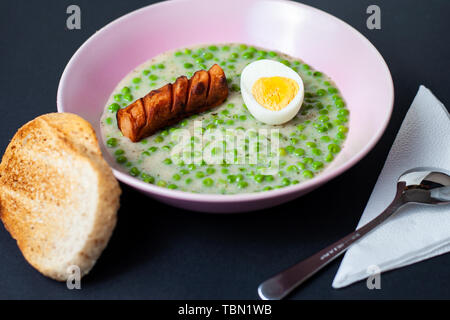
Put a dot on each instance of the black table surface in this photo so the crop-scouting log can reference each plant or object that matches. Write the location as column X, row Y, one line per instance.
column 160, row 252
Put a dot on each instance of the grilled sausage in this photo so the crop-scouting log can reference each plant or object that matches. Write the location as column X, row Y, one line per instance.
column 172, row 103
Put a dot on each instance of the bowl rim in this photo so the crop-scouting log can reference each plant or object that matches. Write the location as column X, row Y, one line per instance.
column 245, row 197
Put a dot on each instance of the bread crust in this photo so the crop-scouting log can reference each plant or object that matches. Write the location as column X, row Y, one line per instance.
column 58, row 196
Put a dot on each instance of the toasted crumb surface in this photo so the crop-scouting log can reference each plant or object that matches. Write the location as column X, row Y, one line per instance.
column 58, row 197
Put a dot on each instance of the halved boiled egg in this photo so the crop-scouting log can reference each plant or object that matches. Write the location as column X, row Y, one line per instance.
column 272, row 91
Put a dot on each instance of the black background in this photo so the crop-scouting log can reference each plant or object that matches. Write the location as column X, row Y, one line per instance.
column 159, row 252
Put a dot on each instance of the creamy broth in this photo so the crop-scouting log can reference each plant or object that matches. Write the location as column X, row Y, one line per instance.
column 304, row 146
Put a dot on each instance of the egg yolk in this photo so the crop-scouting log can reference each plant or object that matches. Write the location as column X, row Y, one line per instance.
column 274, row 93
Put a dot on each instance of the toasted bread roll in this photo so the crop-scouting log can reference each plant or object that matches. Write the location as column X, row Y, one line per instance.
column 58, row 197
column 173, row 102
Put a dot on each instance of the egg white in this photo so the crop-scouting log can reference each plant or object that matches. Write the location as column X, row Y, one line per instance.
column 270, row 68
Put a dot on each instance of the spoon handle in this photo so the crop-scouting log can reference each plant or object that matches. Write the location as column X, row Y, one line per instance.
column 279, row 286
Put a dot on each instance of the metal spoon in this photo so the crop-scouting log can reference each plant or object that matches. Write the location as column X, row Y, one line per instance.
column 420, row 185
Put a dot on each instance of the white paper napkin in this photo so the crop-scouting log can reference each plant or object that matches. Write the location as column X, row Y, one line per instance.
column 417, row 232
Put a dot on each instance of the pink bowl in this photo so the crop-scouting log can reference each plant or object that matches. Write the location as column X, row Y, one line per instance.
column 318, row 38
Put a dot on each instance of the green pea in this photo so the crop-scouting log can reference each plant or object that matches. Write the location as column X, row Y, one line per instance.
column 334, row 148
column 300, row 127
column 136, row 80
column 210, row 170
column 128, row 97
column 153, row 149
column 340, row 135
column 125, row 90
column 164, row 133
column 292, row 168
column 308, row 174
column 282, row 152
column 311, row 144
column 316, row 151
column 329, row 157
column 323, row 118
column 332, row 90
column 243, row 117
column 118, row 97
column 306, row 67
column 167, row 161
column 159, row 139
column 272, row 54
column 230, row 105
column 262, row 53
column 229, row 122
column 184, row 123
column 161, row 183
column 161, row 66
column 208, row 182
column 153, row 77
column 303, row 137
column 109, row 120
column 294, row 140
column 199, row 60
column 321, row 92
column 147, row 178
column 242, row 47
column 299, row 152
column 301, row 165
column 240, row 177
column 114, row 107
column 213, row 48
column 119, row 152
column 259, row 178
column 191, row 167
column 146, row 72
column 286, row 63
column 172, row 186
column 317, row 74
column 111, row 142
column 135, row 172
column 268, row 188
column 317, row 165
column 308, row 160
column 225, row 48
column 208, row 55
column 242, row 184
column 290, row 149
column 323, row 112
column 231, row 178
column 225, row 171
column 234, row 55
column 339, row 103
column 200, row 174
column 188, row 180
column 343, row 129
column 178, row 53
column 121, row 159
column 247, row 55
column 166, row 148
column 268, row 178
column 285, row 182
column 325, row 138
column 235, row 87
column 188, row 65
